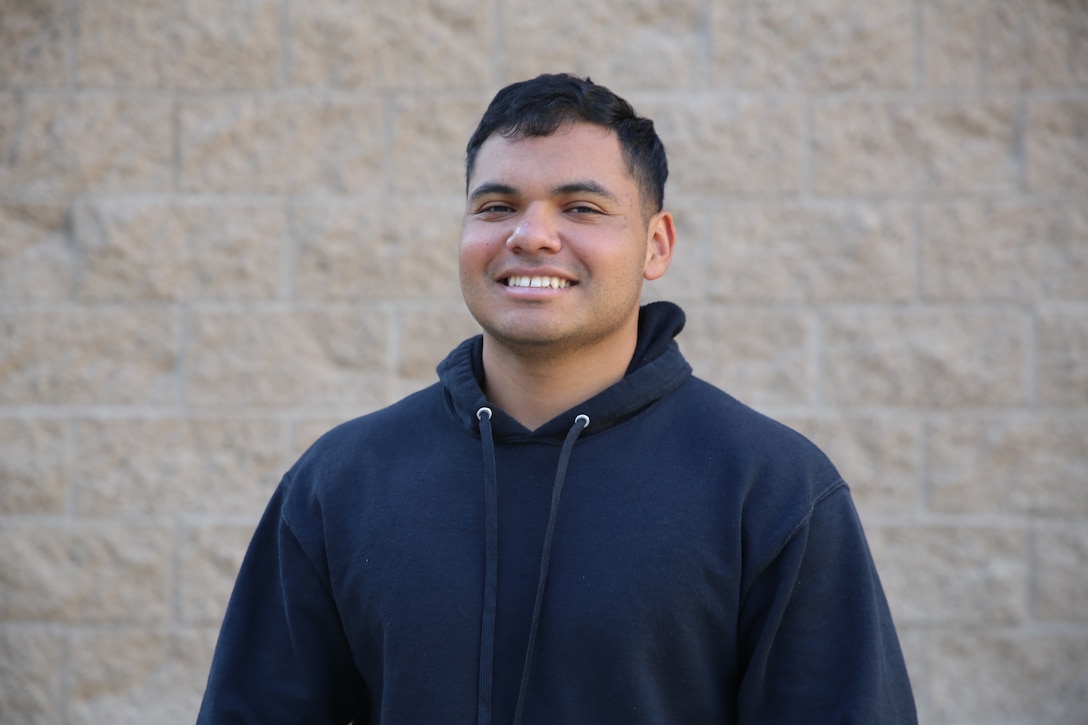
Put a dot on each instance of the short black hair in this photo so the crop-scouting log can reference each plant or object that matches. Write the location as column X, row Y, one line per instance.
column 538, row 107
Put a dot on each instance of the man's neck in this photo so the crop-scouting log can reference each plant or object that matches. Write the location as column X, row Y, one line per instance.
column 534, row 388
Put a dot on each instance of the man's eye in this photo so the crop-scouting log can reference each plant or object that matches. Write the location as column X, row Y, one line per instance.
column 582, row 209
column 495, row 208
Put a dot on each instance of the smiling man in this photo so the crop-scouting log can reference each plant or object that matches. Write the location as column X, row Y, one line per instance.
column 555, row 244
column 569, row 527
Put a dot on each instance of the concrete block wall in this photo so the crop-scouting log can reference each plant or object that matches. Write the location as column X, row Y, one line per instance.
column 225, row 227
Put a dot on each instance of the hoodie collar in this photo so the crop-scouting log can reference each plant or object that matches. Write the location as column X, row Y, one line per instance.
column 656, row 369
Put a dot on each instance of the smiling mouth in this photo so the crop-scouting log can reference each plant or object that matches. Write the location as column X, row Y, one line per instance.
column 543, row 282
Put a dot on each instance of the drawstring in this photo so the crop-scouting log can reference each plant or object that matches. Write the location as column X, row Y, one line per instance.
column 580, row 424
column 491, row 569
column 491, row 564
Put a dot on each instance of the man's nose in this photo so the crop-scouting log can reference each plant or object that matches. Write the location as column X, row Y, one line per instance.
column 535, row 232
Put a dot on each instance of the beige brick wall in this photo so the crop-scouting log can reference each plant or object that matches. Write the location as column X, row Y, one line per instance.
column 226, row 226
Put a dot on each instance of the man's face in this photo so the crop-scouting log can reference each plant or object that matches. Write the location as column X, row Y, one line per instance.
column 555, row 243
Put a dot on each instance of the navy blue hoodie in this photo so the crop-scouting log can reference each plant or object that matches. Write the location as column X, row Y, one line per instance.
column 658, row 554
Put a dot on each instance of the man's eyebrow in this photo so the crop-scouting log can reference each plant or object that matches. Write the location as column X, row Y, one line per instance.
column 584, row 187
column 489, row 188
column 492, row 187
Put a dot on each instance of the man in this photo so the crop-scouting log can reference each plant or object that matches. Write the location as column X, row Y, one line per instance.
column 569, row 527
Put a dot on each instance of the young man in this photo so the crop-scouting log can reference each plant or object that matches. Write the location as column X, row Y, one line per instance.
column 569, row 527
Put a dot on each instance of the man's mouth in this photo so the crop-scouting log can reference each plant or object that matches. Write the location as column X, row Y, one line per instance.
column 545, row 282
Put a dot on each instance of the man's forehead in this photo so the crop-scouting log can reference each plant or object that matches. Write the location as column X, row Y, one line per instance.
column 589, row 150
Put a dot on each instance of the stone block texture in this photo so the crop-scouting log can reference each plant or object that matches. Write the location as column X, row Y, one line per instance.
column 225, row 227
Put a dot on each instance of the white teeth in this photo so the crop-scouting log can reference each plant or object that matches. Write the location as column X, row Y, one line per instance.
column 552, row 282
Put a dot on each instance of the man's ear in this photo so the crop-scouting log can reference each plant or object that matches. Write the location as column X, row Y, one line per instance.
column 660, row 242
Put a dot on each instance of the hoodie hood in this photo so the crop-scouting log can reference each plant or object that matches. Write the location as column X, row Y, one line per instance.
column 657, row 368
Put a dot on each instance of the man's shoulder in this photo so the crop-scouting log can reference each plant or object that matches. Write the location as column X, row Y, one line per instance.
column 778, row 477
column 408, row 410
column 748, row 437
column 716, row 407
column 412, row 418
column 366, row 457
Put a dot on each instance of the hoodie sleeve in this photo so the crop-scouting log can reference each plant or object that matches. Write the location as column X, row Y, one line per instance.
column 282, row 656
column 819, row 645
